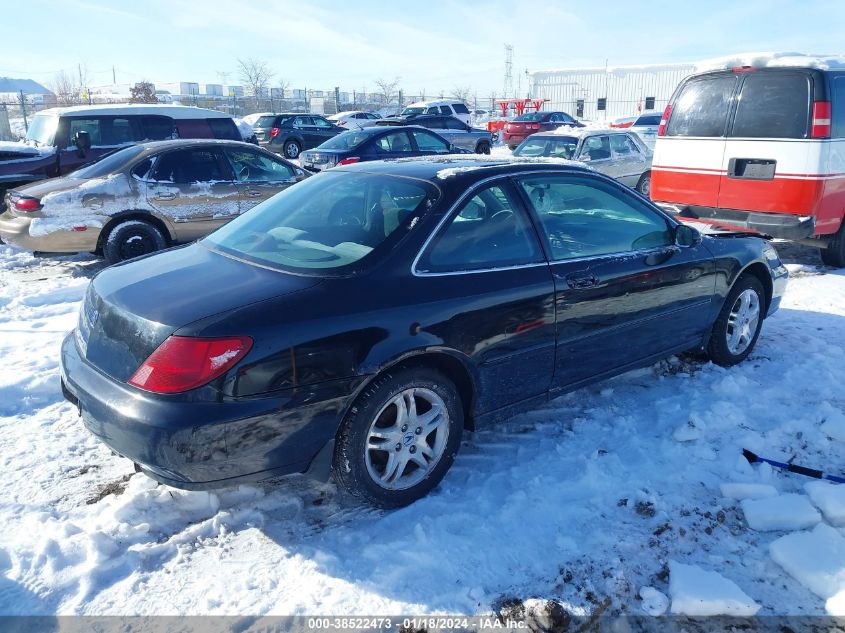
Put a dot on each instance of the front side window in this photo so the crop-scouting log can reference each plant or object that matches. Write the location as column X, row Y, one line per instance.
column 773, row 105
column 488, row 231
column 701, row 108
column 250, row 166
column 595, row 148
column 446, row 110
column 188, row 166
column 92, row 126
column 327, row 222
column 429, row 142
column 393, row 142
column 583, row 217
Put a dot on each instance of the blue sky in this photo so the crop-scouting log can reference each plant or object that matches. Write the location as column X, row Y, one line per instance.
column 432, row 45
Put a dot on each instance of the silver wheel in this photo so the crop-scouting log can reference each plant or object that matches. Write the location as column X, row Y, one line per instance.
column 407, row 438
column 645, row 185
column 292, row 150
column 742, row 321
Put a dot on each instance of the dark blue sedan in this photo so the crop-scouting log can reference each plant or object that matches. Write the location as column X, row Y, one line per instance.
column 360, row 320
column 377, row 143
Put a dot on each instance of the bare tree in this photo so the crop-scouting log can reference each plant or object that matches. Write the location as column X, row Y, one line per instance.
column 282, row 85
column 65, row 88
column 387, row 90
column 256, row 76
column 461, row 93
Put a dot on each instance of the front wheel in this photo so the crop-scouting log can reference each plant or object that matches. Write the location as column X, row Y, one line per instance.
column 738, row 325
column 399, row 438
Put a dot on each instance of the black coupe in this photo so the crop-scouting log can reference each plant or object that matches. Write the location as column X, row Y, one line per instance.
column 362, row 319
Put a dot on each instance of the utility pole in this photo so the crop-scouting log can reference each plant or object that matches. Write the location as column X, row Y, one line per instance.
column 23, row 111
column 113, row 76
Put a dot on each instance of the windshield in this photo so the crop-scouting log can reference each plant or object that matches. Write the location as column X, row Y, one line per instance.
column 414, row 110
column 533, row 116
column 345, row 140
column 327, row 222
column 42, row 129
column 560, row 147
column 108, row 164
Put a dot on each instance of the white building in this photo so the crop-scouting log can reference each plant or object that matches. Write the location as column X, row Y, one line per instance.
column 180, row 88
column 607, row 93
column 213, row 90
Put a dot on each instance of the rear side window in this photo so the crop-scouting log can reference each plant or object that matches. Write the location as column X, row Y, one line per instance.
column 838, row 114
column 701, row 108
column 460, row 108
column 773, row 105
column 225, row 129
column 193, row 128
column 445, row 110
column 156, row 128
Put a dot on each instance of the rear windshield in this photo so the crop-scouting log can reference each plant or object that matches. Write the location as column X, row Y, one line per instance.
column 108, row 164
column 225, row 129
column 558, row 147
column 329, row 222
column 460, row 108
column 649, row 119
column 701, row 108
column 265, row 121
column 773, row 105
column 409, row 111
column 533, row 116
column 346, row 140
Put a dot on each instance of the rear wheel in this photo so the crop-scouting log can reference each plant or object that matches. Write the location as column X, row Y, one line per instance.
column 132, row 238
column 644, row 184
column 399, row 438
column 482, row 148
column 738, row 325
column 291, row 149
column 834, row 254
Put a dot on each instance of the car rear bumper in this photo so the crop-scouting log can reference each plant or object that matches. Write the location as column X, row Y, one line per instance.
column 203, row 445
column 512, row 138
column 14, row 229
column 781, row 225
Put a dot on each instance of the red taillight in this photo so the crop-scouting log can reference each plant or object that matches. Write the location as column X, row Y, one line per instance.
column 349, row 161
column 27, row 205
column 341, row 123
column 182, row 362
column 661, row 129
column 533, row 126
column 820, row 125
column 274, row 132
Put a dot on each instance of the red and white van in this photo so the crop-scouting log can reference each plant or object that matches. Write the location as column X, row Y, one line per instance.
column 762, row 148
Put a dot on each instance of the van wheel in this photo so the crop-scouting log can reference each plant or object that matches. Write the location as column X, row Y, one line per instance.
column 834, row 254
column 644, row 184
column 291, row 149
column 738, row 325
column 482, row 148
column 399, row 438
column 132, row 238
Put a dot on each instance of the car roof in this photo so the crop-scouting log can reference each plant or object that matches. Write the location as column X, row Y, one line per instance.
column 117, row 109
column 151, row 147
column 458, row 168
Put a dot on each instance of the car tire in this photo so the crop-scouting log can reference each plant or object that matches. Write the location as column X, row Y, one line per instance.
column 132, row 238
column 644, row 184
column 393, row 477
column 482, row 148
column 834, row 254
column 736, row 329
column 291, row 149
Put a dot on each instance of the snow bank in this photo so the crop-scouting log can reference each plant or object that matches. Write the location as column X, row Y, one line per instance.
column 816, row 559
column 830, row 499
column 698, row 592
column 834, row 423
column 654, row 602
column 245, row 129
column 764, row 60
column 747, row 491
column 784, row 512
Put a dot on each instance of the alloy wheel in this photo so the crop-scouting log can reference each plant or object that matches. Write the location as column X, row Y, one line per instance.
column 742, row 321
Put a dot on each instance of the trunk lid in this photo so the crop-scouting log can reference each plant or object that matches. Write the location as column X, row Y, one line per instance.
column 131, row 308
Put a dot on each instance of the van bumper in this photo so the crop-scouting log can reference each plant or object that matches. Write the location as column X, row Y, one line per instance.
column 781, row 225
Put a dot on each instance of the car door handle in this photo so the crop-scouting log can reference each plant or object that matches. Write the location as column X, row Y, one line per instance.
column 252, row 193
column 165, row 196
column 588, row 281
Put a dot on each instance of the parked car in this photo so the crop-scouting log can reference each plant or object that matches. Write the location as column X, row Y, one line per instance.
column 449, row 107
column 646, row 127
column 453, row 130
column 620, row 154
column 354, row 119
column 361, row 320
column 376, row 143
column 758, row 147
column 524, row 125
column 289, row 134
column 60, row 140
column 143, row 198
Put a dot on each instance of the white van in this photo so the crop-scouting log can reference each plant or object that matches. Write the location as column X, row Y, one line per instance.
column 457, row 109
column 758, row 147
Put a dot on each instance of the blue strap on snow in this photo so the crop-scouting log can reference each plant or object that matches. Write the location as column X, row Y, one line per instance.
column 792, row 468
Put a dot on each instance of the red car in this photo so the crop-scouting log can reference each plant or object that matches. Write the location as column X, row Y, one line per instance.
column 527, row 124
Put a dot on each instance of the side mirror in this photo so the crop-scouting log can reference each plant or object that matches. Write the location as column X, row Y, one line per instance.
column 685, row 235
column 82, row 140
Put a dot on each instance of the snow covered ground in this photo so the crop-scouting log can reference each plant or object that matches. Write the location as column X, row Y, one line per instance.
column 627, row 496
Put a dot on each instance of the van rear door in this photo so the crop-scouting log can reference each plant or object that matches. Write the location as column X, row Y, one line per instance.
column 765, row 167
column 688, row 160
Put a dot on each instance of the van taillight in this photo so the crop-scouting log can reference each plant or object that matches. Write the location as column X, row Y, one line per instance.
column 274, row 132
column 820, row 125
column 661, row 129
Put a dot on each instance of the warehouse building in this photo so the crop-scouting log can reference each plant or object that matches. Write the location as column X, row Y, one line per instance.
column 608, row 92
